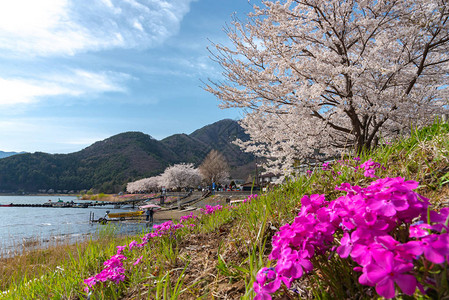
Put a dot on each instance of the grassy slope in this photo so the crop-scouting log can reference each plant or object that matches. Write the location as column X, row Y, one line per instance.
column 221, row 255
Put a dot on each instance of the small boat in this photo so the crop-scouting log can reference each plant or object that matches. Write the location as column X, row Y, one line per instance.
column 127, row 214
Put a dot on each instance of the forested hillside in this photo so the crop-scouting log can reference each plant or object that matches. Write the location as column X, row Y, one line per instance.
column 107, row 165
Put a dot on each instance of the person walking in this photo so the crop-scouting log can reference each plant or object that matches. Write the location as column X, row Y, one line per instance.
column 149, row 215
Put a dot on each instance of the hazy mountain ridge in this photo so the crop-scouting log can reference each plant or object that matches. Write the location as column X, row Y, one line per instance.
column 4, row 154
column 107, row 165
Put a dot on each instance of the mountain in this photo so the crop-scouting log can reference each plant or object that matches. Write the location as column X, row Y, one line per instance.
column 219, row 136
column 8, row 154
column 109, row 164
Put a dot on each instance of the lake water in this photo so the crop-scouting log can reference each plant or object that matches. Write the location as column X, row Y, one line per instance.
column 19, row 225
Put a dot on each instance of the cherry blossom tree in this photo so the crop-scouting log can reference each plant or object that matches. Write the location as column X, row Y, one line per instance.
column 180, row 176
column 152, row 183
column 144, row 185
column 320, row 76
column 176, row 176
column 135, row 186
column 214, row 168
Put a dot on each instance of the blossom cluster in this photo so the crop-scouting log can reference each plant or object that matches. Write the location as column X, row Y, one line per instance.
column 187, row 217
column 249, row 198
column 178, row 175
column 370, row 168
column 284, row 126
column 209, row 210
column 362, row 225
column 114, row 269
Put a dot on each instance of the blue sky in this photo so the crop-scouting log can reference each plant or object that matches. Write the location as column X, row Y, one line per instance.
column 75, row 71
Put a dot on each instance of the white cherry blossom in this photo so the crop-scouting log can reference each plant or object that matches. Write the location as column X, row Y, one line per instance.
column 315, row 76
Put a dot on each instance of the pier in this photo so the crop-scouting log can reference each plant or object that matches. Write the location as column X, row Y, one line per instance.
column 86, row 204
column 183, row 199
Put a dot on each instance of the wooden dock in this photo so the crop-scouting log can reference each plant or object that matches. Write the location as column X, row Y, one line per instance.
column 85, row 204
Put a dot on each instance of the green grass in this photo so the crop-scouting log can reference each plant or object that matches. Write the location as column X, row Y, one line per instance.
column 231, row 245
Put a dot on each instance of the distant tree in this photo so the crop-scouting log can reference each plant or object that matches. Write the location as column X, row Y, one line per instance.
column 174, row 177
column 180, row 176
column 215, row 168
column 152, row 183
column 136, row 186
column 333, row 74
column 144, row 185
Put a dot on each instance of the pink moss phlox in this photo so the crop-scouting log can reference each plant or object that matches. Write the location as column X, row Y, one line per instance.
column 370, row 168
column 250, row 197
column 165, row 228
column 114, row 270
column 385, row 270
column 120, row 249
column 187, row 217
column 132, row 245
column 367, row 219
column 325, row 166
column 138, row 260
column 115, row 261
column 267, row 282
column 209, row 210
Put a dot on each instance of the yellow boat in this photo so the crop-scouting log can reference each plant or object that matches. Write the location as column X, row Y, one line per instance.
column 125, row 214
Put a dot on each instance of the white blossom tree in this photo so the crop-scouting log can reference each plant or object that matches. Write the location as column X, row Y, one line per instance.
column 135, row 186
column 323, row 75
column 176, row 176
column 152, row 183
column 180, row 176
column 144, row 185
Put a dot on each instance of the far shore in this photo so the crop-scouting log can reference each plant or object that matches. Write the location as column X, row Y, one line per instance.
column 39, row 194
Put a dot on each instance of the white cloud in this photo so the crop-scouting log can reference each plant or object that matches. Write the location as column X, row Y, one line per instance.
column 53, row 135
column 66, row 27
column 15, row 91
column 74, row 83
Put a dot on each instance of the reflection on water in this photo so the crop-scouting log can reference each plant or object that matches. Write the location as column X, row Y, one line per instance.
column 40, row 225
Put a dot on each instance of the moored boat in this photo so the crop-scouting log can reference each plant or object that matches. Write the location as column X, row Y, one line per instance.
column 126, row 214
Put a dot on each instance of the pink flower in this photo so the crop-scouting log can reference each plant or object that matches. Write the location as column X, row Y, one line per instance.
column 351, row 190
column 368, row 218
column 132, row 245
column 312, row 204
column 187, row 217
column 138, row 261
column 292, row 264
column 120, row 249
column 347, row 243
column 434, row 247
column 385, row 271
column 419, row 230
column 115, row 261
column 325, row 166
column 90, row 282
column 370, row 168
column 362, row 253
column 387, row 206
column 141, row 245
